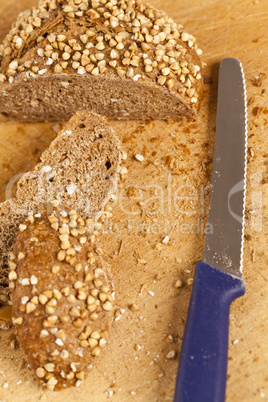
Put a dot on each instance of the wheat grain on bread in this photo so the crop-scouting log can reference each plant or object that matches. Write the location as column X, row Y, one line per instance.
column 123, row 59
column 80, row 169
column 62, row 296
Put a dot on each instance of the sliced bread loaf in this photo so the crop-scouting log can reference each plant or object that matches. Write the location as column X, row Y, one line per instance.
column 80, row 170
column 123, row 59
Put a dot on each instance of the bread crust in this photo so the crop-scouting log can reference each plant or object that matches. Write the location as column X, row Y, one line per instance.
column 62, row 296
column 142, row 49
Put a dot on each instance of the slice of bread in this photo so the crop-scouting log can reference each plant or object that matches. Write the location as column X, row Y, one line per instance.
column 62, row 296
column 123, row 59
column 80, row 170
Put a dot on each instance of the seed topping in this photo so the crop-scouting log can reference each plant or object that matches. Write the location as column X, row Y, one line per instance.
column 81, row 306
column 137, row 39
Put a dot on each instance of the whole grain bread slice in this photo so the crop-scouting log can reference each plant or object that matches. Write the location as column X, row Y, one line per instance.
column 80, row 170
column 62, row 296
column 123, row 59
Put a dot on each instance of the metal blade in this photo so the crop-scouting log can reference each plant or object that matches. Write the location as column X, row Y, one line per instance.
column 225, row 230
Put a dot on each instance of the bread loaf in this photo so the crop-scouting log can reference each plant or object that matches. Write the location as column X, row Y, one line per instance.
column 80, row 169
column 62, row 296
column 123, row 59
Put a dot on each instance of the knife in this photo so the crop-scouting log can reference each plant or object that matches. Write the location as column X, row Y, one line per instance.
column 218, row 280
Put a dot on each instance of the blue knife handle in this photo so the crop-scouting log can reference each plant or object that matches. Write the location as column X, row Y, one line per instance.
column 203, row 360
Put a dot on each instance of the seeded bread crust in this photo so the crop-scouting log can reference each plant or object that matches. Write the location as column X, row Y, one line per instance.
column 62, row 296
column 80, row 169
column 122, row 59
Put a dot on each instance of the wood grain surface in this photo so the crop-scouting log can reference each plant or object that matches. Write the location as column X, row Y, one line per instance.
column 166, row 194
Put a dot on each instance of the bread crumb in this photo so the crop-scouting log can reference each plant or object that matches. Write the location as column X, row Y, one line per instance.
column 5, row 385
column 165, row 240
column 117, row 315
column 172, row 355
column 158, row 277
column 178, row 284
column 143, row 287
column 190, row 281
column 124, row 155
column 139, row 157
column 253, row 256
column 169, row 339
column 142, row 261
column 56, row 128
column 124, row 171
column 158, row 246
column 133, row 307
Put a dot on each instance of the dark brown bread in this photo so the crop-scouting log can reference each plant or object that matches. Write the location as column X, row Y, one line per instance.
column 62, row 296
column 123, row 59
column 80, row 169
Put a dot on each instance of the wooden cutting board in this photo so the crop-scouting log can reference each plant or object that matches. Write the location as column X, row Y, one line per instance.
column 166, row 195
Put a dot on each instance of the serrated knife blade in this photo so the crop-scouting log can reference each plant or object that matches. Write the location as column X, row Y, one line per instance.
column 218, row 279
column 224, row 243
